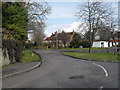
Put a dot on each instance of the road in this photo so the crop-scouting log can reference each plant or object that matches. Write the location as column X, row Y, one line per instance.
column 59, row 71
column 110, row 50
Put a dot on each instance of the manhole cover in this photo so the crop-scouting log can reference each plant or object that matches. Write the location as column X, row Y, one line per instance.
column 77, row 77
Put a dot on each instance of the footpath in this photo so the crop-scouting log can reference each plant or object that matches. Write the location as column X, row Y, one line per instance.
column 19, row 68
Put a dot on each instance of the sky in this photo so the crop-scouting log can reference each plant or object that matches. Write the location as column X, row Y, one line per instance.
column 63, row 17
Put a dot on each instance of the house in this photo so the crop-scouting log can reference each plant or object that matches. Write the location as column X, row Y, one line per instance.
column 57, row 40
column 114, row 42
column 109, row 43
column 99, row 43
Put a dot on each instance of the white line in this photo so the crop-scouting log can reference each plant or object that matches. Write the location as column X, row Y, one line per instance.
column 106, row 73
column 101, row 87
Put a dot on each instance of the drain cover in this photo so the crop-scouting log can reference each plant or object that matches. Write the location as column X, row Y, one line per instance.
column 77, row 77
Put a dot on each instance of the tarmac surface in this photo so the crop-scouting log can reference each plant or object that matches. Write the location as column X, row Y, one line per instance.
column 9, row 70
column 59, row 71
column 110, row 50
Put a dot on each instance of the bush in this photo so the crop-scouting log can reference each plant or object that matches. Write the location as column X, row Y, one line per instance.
column 85, row 44
column 13, row 49
column 29, row 45
column 74, row 44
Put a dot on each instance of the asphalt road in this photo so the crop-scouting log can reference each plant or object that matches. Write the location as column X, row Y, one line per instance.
column 110, row 50
column 59, row 71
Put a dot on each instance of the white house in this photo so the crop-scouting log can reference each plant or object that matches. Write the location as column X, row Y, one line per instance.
column 104, row 43
column 100, row 44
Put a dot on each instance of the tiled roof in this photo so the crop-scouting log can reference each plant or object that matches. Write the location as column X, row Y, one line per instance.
column 114, row 40
column 53, row 36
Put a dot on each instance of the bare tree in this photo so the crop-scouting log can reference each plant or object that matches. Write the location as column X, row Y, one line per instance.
column 38, row 11
column 104, row 33
column 38, row 34
column 37, row 15
column 93, row 13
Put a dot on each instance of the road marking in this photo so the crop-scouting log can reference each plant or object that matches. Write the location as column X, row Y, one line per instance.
column 101, row 87
column 106, row 73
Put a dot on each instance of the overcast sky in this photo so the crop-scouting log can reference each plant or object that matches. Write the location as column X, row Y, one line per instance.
column 62, row 17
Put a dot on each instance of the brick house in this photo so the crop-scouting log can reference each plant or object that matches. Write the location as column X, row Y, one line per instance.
column 57, row 40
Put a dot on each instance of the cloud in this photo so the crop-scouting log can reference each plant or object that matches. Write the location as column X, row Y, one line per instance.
column 76, row 26
column 51, row 29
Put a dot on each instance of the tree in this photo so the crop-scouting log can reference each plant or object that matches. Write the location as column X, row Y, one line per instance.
column 104, row 33
column 38, row 35
column 14, row 20
column 93, row 13
column 14, row 32
column 76, row 41
column 37, row 13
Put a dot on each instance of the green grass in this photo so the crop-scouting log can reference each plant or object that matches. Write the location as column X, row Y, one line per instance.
column 94, row 56
column 27, row 57
column 30, row 57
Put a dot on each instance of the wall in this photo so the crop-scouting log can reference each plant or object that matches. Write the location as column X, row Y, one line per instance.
column 98, row 44
column 2, row 60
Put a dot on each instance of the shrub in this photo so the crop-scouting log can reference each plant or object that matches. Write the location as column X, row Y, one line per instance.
column 29, row 45
column 74, row 44
column 85, row 44
column 13, row 49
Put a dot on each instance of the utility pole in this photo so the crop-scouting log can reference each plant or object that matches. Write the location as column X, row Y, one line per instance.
column 119, row 22
column 56, row 40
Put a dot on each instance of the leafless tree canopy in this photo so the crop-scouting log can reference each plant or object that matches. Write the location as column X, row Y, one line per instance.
column 38, row 34
column 97, row 16
column 37, row 15
column 38, row 11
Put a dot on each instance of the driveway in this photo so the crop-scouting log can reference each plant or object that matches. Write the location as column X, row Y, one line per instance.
column 59, row 71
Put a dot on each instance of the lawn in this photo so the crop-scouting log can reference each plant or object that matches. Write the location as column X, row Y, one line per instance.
column 29, row 56
column 94, row 56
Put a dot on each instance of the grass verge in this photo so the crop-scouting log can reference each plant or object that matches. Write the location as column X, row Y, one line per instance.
column 94, row 56
column 29, row 56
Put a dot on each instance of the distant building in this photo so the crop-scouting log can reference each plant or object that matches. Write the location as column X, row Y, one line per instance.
column 99, row 43
column 104, row 43
column 62, row 39
column 108, row 43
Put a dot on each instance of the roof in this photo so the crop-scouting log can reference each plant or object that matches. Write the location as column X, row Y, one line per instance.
column 114, row 40
column 100, row 40
column 53, row 36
